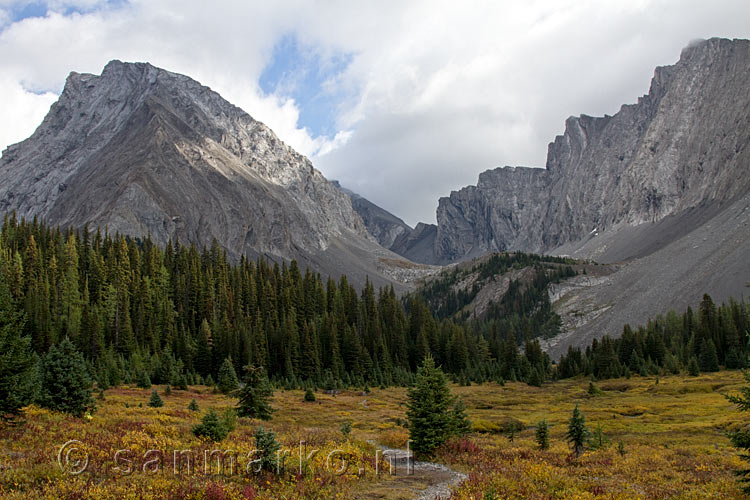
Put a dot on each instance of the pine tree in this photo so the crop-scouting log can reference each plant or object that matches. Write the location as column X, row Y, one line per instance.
column 255, row 394
column 17, row 370
column 211, row 427
column 144, row 381
column 309, row 395
column 577, row 431
column 268, row 447
column 708, row 360
column 542, row 435
column 693, row 368
column 429, row 409
column 741, row 438
column 193, row 406
column 460, row 423
column 66, row 384
column 155, row 401
column 227, row 379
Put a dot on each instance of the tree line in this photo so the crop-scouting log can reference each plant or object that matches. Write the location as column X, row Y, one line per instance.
column 695, row 341
column 175, row 314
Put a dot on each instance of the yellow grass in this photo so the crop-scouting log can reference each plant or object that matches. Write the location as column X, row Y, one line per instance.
column 673, row 434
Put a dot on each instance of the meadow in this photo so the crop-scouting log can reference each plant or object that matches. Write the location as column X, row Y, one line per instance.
column 672, row 430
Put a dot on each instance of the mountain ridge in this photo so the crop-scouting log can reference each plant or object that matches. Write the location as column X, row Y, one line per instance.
column 141, row 150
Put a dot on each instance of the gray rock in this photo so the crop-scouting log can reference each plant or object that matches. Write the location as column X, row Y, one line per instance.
column 685, row 145
column 142, row 151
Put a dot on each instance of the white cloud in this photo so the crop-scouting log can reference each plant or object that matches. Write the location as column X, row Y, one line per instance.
column 437, row 91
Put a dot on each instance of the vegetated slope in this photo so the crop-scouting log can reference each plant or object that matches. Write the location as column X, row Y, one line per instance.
column 143, row 151
column 661, row 188
column 510, row 291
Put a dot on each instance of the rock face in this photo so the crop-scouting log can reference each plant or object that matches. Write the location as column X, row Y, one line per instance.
column 380, row 223
column 683, row 146
column 660, row 190
column 140, row 150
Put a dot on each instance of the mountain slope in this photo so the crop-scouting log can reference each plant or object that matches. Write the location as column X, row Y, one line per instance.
column 380, row 223
column 684, row 145
column 662, row 188
column 140, row 150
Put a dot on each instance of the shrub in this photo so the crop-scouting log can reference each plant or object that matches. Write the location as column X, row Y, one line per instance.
column 346, row 428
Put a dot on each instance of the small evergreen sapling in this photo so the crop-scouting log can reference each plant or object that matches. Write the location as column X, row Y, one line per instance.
column 211, row 427
column 268, row 448
column 227, row 380
column 193, row 406
column 255, row 395
column 542, row 435
column 309, row 395
column 577, row 431
column 155, row 401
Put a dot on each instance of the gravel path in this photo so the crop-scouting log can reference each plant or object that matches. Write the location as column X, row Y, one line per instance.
column 441, row 479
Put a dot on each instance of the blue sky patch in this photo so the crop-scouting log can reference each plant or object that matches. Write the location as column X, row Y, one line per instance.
column 303, row 73
column 25, row 10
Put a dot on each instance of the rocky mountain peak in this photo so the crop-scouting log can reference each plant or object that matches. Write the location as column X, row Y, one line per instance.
column 144, row 151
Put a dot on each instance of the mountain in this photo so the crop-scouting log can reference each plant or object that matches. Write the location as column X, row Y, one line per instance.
column 662, row 188
column 380, row 223
column 143, row 151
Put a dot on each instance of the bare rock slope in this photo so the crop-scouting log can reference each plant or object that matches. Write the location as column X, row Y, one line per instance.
column 661, row 187
column 141, row 150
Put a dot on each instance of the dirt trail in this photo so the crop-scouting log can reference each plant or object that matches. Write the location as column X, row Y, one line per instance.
column 412, row 479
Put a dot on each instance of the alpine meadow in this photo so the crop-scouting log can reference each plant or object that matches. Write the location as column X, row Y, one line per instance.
column 192, row 308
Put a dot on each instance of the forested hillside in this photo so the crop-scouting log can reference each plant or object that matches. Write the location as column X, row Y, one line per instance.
column 175, row 314
column 697, row 341
column 132, row 307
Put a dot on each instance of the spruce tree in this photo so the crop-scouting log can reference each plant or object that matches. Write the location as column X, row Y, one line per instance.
column 741, row 438
column 708, row 359
column 211, row 427
column 542, row 435
column 268, row 447
column 155, row 401
column 309, row 395
column 144, row 381
column 193, row 406
column 66, row 384
column 17, row 364
column 429, row 409
column 460, row 423
column 693, row 368
column 227, row 379
column 577, row 431
column 255, row 394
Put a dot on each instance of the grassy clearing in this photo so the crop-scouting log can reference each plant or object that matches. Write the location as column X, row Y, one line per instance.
column 673, row 433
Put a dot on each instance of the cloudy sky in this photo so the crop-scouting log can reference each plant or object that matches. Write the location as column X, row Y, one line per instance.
column 402, row 101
